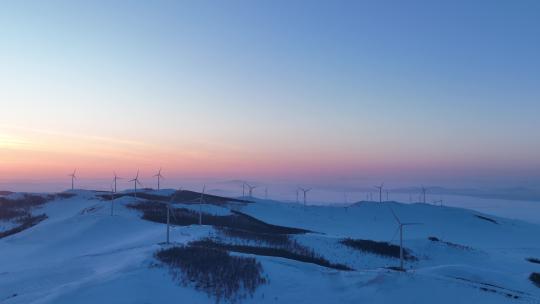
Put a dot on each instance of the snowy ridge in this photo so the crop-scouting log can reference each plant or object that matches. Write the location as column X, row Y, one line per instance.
column 82, row 254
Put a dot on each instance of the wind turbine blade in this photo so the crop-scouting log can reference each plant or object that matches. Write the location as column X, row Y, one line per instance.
column 394, row 214
column 174, row 195
column 394, row 235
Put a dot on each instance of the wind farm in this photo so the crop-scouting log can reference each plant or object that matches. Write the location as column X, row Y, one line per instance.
column 241, row 152
column 359, row 241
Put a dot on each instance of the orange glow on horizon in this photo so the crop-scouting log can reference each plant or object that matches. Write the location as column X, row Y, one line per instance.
column 42, row 155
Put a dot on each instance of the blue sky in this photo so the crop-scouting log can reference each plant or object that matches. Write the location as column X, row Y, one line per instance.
column 415, row 90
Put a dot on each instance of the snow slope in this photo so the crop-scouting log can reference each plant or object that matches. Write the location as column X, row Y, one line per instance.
column 82, row 254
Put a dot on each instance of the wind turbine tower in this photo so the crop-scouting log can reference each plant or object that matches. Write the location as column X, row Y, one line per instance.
column 401, row 225
column 112, row 200
column 305, row 194
column 169, row 213
column 135, row 182
column 200, row 205
column 115, row 178
column 380, row 191
column 159, row 177
column 424, row 190
column 73, row 178
column 169, row 219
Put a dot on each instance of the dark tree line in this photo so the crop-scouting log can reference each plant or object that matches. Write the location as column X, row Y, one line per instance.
column 214, row 271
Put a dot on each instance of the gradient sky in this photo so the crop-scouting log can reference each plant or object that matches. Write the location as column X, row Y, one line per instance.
column 438, row 92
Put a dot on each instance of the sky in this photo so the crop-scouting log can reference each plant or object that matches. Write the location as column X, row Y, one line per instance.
column 442, row 93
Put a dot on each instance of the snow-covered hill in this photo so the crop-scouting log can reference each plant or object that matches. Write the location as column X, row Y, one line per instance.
column 81, row 254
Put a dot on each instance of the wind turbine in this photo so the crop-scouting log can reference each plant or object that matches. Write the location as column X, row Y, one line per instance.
column 73, row 178
column 115, row 178
column 243, row 190
column 159, row 177
column 305, row 194
column 424, row 190
column 250, row 189
column 135, row 182
column 297, row 193
column 200, row 205
column 380, row 191
column 169, row 212
column 112, row 199
column 387, row 196
column 266, row 193
column 401, row 225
